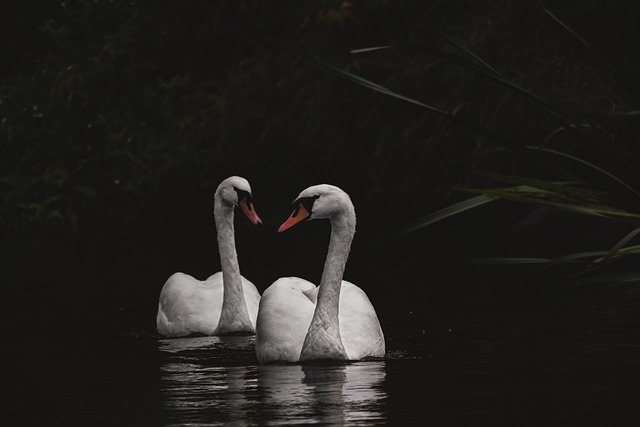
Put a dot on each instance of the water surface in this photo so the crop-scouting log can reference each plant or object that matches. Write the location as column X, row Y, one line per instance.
column 200, row 388
column 80, row 348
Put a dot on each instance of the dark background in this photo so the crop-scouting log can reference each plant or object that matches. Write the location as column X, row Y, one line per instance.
column 118, row 119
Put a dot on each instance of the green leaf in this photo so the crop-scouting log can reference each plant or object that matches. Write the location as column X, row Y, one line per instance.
column 442, row 214
column 631, row 250
column 488, row 133
column 575, row 257
column 561, row 196
column 620, row 278
column 370, row 49
column 586, row 163
column 621, row 77
column 628, row 113
column 507, row 260
column 460, row 48
column 618, row 247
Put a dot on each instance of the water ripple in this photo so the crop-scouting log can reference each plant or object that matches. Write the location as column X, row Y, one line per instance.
column 199, row 388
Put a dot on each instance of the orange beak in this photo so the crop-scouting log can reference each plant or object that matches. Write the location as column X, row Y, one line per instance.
column 297, row 215
column 250, row 212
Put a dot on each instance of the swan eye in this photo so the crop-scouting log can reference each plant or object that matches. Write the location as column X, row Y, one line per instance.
column 244, row 195
column 305, row 202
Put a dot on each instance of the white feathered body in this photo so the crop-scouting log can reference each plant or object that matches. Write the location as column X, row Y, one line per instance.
column 188, row 305
column 285, row 313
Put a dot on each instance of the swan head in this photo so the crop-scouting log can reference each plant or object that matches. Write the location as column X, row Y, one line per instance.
column 316, row 202
column 236, row 191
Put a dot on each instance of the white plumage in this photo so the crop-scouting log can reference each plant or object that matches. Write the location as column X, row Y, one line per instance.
column 298, row 321
column 226, row 302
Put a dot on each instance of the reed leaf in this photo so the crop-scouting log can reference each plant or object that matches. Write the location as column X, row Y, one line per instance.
column 507, row 260
column 586, row 163
column 618, row 246
column 441, row 214
column 481, row 130
column 630, row 250
column 460, row 48
column 559, row 196
column 472, row 62
column 370, row 49
column 581, row 257
column 566, row 122
column 620, row 278
column 619, row 75
column 628, row 113
column 557, row 131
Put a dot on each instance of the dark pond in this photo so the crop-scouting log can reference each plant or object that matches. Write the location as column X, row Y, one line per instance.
column 80, row 348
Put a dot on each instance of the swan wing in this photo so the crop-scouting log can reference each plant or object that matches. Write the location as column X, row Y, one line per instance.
column 188, row 305
column 285, row 312
column 360, row 328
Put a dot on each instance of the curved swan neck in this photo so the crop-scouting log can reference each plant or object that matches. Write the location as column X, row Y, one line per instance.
column 234, row 308
column 323, row 340
column 225, row 233
column 342, row 231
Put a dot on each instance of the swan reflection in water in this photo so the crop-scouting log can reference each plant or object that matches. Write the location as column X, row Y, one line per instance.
column 208, row 343
column 215, row 380
column 326, row 394
column 199, row 385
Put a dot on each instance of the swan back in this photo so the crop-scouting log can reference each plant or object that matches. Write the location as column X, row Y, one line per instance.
column 284, row 315
column 359, row 325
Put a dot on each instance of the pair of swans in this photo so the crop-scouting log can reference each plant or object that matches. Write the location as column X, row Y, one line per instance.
column 294, row 320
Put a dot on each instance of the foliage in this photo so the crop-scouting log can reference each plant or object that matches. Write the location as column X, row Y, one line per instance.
column 131, row 112
column 115, row 107
column 594, row 151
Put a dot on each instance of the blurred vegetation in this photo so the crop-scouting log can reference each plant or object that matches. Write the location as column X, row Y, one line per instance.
column 124, row 112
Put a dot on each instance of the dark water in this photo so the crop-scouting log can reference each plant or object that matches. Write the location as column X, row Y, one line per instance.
column 201, row 389
column 80, row 348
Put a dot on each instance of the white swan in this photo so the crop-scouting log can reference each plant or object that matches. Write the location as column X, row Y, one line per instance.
column 226, row 302
column 298, row 321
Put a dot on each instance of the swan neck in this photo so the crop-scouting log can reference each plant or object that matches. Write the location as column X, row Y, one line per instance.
column 342, row 232
column 323, row 340
column 225, row 233
column 234, row 307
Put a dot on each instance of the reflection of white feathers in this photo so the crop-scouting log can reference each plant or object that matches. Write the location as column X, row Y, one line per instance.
column 224, row 303
column 195, row 392
column 299, row 321
column 324, row 394
column 208, row 343
column 198, row 389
